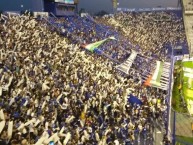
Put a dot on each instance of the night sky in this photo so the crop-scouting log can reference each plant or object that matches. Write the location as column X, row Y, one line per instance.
column 94, row 6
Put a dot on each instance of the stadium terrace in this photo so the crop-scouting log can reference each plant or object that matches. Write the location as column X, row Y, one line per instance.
column 93, row 80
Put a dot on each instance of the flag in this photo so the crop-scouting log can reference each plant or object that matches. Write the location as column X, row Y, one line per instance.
column 155, row 78
column 91, row 47
column 148, row 81
column 2, row 125
column 134, row 100
column 157, row 74
column 10, row 129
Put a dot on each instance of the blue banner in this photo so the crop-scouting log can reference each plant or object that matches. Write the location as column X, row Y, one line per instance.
column 134, row 100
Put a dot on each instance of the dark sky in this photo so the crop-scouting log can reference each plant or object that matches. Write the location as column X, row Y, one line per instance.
column 93, row 6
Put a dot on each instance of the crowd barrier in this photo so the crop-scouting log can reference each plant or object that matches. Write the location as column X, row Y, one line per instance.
column 169, row 126
column 182, row 133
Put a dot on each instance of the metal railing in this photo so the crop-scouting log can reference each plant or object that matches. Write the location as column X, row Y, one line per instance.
column 53, row 15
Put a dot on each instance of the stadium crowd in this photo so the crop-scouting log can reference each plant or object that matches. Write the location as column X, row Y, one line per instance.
column 51, row 90
column 152, row 34
column 155, row 33
column 84, row 31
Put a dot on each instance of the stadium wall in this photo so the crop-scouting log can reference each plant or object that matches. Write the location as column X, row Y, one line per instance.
column 149, row 3
column 107, row 5
column 22, row 5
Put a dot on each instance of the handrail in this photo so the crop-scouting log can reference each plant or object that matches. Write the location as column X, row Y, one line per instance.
column 169, row 101
column 53, row 15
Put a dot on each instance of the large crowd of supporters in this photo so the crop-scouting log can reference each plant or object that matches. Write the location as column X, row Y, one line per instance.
column 51, row 90
column 156, row 33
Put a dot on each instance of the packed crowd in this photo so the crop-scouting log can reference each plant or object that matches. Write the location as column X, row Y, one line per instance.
column 85, row 31
column 151, row 34
column 51, row 90
column 155, row 33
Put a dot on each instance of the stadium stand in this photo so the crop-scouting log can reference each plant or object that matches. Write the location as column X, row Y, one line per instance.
column 52, row 90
